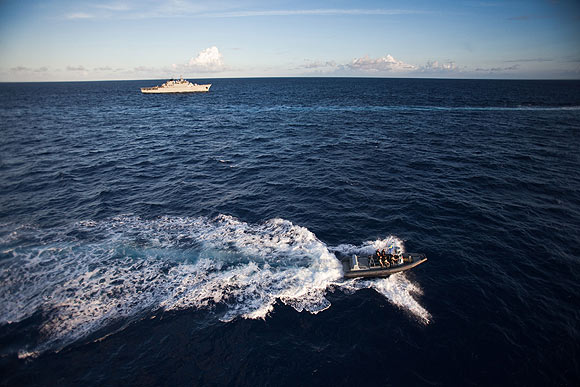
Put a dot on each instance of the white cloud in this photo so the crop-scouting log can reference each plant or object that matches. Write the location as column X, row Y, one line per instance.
column 529, row 60
column 148, row 9
column 76, row 68
column 381, row 66
column 315, row 12
column 120, row 6
column 144, row 69
column 79, row 15
column 498, row 69
column 208, row 60
column 19, row 69
column 319, row 65
column 435, row 66
column 386, row 63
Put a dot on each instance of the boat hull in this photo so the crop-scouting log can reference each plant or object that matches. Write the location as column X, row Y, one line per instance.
column 366, row 271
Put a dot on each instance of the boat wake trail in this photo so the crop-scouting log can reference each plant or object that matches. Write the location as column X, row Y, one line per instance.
column 90, row 275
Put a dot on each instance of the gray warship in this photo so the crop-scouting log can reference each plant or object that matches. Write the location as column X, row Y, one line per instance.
column 176, row 86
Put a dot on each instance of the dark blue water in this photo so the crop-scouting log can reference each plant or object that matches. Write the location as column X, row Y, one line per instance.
column 191, row 239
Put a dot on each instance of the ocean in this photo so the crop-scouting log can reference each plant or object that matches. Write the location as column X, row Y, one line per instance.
column 192, row 239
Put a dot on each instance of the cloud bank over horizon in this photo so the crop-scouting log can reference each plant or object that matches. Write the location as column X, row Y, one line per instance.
column 210, row 61
column 384, row 66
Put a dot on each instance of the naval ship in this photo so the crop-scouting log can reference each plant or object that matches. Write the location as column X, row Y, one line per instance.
column 176, row 86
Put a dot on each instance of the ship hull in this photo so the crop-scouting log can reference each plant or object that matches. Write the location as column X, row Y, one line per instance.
column 176, row 89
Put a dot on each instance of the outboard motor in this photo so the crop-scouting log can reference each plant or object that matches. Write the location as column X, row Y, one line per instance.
column 354, row 263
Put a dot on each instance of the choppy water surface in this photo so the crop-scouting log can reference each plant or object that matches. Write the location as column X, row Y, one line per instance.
column 191, row 239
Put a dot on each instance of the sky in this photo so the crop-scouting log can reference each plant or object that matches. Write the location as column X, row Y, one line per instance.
column 64, row 40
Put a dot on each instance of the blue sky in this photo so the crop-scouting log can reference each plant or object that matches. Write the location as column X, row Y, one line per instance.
column 130, row 39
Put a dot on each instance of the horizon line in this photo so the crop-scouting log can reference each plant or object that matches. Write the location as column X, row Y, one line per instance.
column 303, row 77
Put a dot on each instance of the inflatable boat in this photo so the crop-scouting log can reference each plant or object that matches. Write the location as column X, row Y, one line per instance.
column 370, row 266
